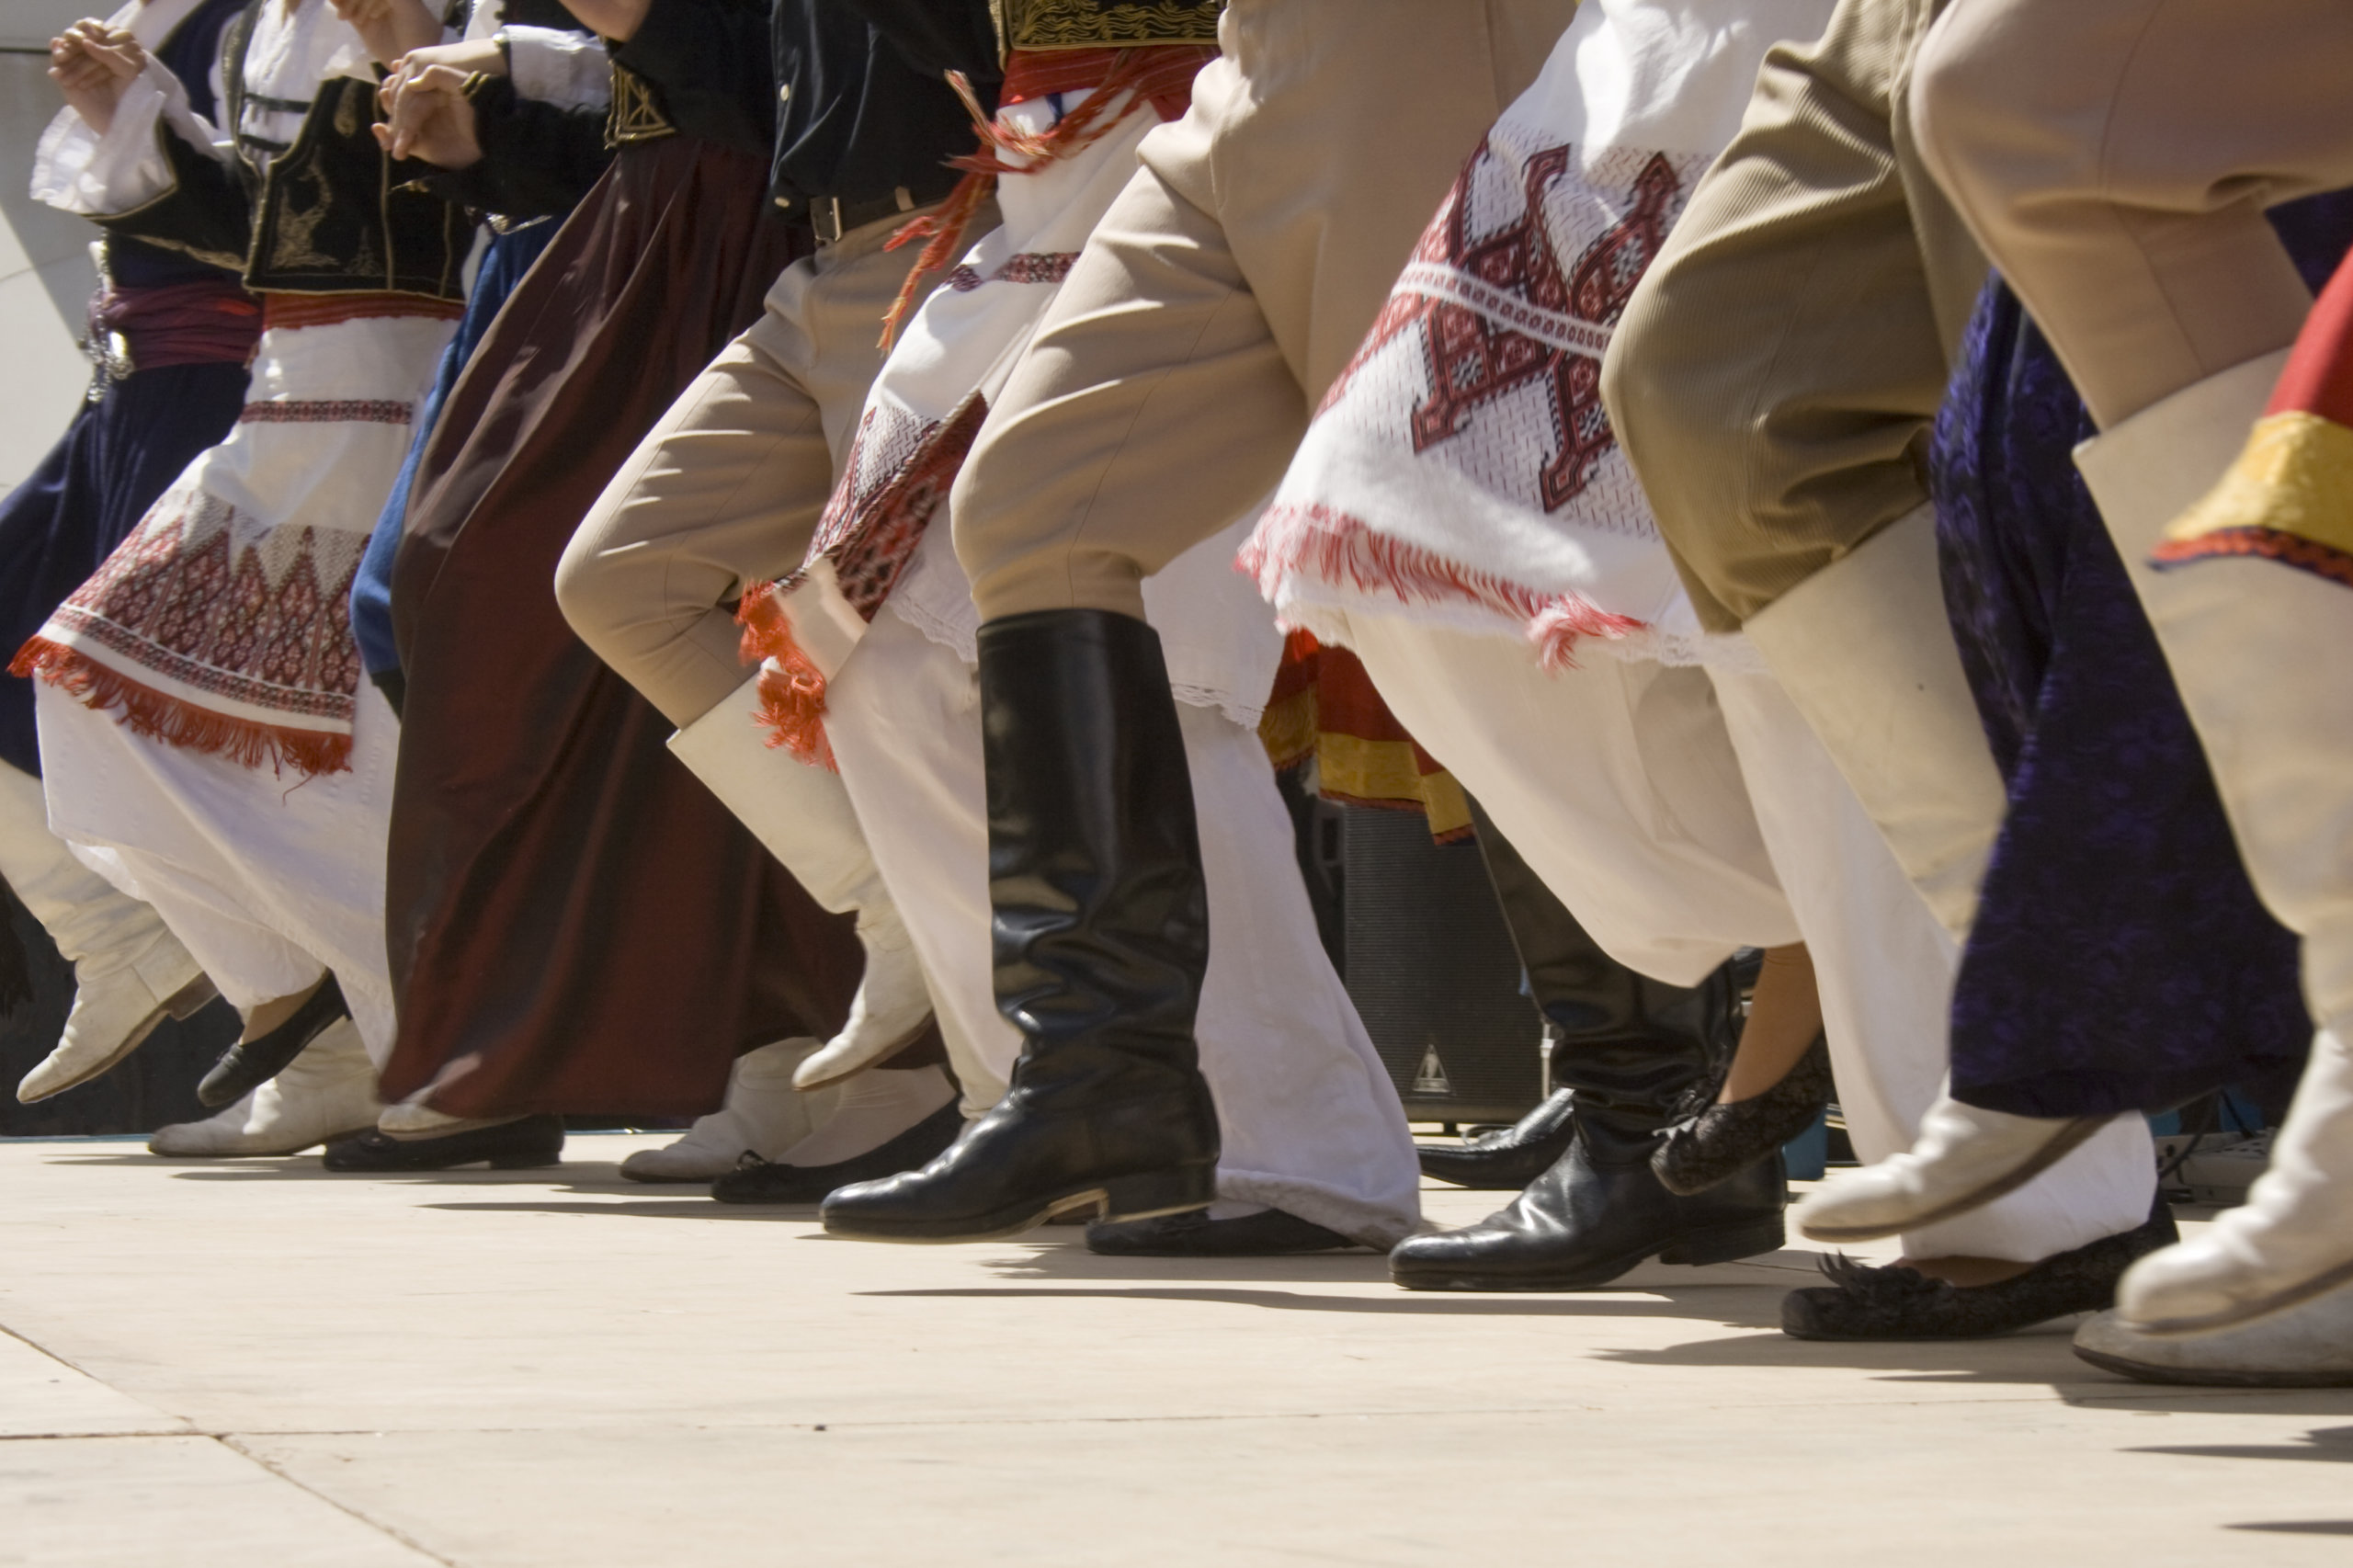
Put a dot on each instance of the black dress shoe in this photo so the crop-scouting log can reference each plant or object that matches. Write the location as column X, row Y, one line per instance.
column 1100, row 938
column 244, row 1067
column 1863, row 1302
column 1268, row 1234
column 1723, row 1140
column 1509, row 1160
column 755, row 1180
column 1584, row 1223
column 525, row 1143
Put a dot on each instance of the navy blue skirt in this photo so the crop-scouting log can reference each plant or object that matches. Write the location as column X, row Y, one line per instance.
column 116, row 457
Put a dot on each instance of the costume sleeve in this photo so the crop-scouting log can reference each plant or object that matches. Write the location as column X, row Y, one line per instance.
column 570, row 70
column 712, row 62
column 1778, row 370
column 161, row 173
column 537, row 159
column 936, row 37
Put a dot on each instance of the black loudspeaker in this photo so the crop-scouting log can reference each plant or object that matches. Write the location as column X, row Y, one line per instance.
column 1432, row 968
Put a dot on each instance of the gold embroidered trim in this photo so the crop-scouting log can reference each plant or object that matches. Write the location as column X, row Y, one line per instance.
column 637, row 113
column 1093, row 24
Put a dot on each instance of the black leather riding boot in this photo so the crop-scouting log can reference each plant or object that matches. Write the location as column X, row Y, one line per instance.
column 1101, row 935
column 1627, row 1051
column 1594, row 1004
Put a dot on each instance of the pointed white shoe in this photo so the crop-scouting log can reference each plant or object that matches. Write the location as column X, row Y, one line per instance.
column 804, row 817
column 1865, row 650
column 2309, row 1345
column 1962, row 1159
column 329, row 1092
column 130, row 972
column 874, row 1108
column 2292, row 1241
column 763, row 1115
column 2258, row 649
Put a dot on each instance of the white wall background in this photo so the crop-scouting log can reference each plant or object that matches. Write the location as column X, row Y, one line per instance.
column 45, row 271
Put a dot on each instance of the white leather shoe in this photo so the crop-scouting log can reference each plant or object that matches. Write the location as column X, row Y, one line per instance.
column 114, row 1012
column 2309, row 1345
column 130, row 972
column 329, row 1092
column 763, row 1115
column 2291, row 1241
column 803, row 816
column 1962, row 1159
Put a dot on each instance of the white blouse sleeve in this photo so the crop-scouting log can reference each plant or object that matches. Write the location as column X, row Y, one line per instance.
column 567, row 69
column 77, row 170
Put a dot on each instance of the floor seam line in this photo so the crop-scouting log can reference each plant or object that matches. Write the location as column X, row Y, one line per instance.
column 228, row 1441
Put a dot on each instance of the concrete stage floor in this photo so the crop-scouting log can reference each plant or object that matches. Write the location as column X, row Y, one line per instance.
column 256, row 1364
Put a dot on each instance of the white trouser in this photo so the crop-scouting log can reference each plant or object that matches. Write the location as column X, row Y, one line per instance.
column 97, row 928
column 1311, row 1122
column 269, row 881
column 1670, row 809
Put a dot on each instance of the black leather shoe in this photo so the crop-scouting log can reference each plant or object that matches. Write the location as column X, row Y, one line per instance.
column 1584, row 1223
column 1507, row 1161
column 755, row 1180
column 1895, row 1302
column 1722, row 1139
column 1268, row 1234
column 245, row 1067
column 525, row 1144
column 1100, row 934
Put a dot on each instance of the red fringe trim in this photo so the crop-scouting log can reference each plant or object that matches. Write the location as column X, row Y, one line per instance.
column 1080, row 128
column 2267, row 544
column 791, row 689
column 149, row 712
column 1333, row 547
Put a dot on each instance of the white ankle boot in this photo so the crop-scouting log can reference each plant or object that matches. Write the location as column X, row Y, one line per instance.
column 2291, row 1241
column 2258, row 649
column 329, row 1092
column 130, row 972
column 763, row 1115
column 1963, row 1158
column 1865, row 650
column 2309, row 1345
column 804, row 817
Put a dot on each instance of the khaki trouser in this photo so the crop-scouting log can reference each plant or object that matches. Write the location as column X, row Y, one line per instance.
column 726, row 490
column 2115, row 157
column 1229, row 285
column 1778, row 371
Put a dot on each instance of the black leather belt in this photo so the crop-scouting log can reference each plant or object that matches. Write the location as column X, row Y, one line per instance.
column 829, row 218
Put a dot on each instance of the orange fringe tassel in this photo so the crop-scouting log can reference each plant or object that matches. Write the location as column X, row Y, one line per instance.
column 149, row 712
column 792, row 692
column 1080, row 128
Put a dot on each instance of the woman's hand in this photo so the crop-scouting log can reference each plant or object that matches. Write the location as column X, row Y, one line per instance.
column 468, row 57
column 615, row 20
column 92, row 65
column 391, row 28
column 432, row 118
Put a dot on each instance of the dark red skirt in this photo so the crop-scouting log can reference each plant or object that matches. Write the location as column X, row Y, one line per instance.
column 575, row 923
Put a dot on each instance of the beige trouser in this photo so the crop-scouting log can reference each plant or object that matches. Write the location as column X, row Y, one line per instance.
column 1229, row 285
column 1779, row 369
column 2115, row 157
column 726, row 490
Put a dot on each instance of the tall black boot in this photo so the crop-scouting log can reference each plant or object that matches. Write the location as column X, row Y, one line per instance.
column 1592, row 1002
column 1101, row 936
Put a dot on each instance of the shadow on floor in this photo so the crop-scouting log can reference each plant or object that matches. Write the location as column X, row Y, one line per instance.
column 1726, row 1306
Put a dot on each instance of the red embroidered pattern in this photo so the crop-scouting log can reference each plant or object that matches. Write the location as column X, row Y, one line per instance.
column 1029, row 266
column 182, row 599
column 370, row 412
column 1474, row 359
